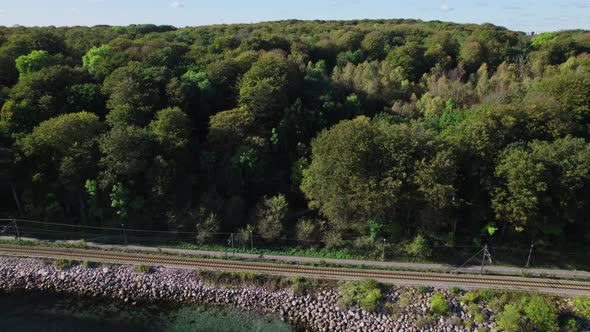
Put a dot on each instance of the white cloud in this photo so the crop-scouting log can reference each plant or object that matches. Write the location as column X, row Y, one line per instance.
column 445, row 8
column 74, row 10
column 176, row 4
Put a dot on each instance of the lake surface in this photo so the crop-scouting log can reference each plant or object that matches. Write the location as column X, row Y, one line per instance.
column 55, row 313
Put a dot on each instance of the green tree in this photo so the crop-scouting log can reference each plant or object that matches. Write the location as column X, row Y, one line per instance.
column 207, row 225
column 63, row 151
column 122, row 201
column 264, row 88
column 360, row 170
column 125, row 155
column 374, row 44
column 135, row 92
column 101, row 61
column 411, row 58
column 34, row 61
column 270, row 214
column 171, row 128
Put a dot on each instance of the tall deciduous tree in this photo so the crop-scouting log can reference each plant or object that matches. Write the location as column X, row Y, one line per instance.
column 264, row 88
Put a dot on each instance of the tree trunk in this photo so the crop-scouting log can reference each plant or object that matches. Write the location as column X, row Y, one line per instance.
column 504, row 227
column 20, row 210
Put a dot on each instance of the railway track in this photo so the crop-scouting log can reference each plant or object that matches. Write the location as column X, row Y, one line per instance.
column 399, row 277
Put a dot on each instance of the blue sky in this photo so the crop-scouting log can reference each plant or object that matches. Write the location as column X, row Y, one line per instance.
column 522, row 15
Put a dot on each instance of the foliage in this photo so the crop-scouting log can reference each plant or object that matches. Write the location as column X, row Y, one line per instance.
column 307, row 230
column 270, row 216
column 509, row 319
column 303, row 286
column 34, row 61
column 454, row 290
column 142, row 268
column 470, row 297
column 378, row 128
column 418, row 247
column 438, row 304
column 100, row 61
column 171, row 128
column 207, row 225
column 62, row 264
column 541, row 313
column 365, row 293
column 423, row 289
column 582, row 307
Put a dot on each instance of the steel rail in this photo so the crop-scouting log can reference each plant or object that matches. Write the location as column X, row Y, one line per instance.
column 300, row 270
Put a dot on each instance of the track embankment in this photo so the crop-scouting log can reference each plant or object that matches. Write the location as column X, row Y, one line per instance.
column 562, row 287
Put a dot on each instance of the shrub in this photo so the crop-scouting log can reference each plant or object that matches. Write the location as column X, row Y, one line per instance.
column 365, row 293
column 88, row 264
column 570, row 324
column 470, row 297
column 487, row 294
column 509, row 319
column 301, row 285
column 454, row 290
column 405, row 300
column 142, row 268
column 418, row 248
column 333, row 240
column 422, row 289
column 438, row 304
column 62, row 264
column 424, row 321
column 582, row 307
column 542, row 313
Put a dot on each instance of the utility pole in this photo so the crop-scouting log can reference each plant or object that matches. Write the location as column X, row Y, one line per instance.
column 528, row 260
column 487, row 254
column 251, row 241
column 383, row 251
column 124, row 234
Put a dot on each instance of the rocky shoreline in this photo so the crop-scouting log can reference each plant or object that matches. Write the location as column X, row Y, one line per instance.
column 316, row 312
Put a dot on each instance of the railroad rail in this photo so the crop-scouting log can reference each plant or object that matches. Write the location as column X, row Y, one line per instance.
column 564, row 287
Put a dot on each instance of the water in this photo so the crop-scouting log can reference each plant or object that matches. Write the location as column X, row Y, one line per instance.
column 54, row 313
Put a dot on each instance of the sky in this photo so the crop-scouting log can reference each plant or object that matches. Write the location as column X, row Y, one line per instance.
column 520, row 15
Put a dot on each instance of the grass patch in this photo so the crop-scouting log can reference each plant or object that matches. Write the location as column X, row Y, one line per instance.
column 299, row 285
column 62, row 264
column 89, row 264
column 423, row 289
column 142, row 268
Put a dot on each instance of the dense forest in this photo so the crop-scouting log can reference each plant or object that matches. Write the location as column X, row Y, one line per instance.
column 320, row 131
